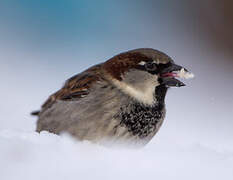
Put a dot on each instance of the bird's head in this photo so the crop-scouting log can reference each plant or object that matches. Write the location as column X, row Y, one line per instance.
column 145, row 74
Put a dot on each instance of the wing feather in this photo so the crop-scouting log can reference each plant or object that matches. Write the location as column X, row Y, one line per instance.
column 76, row 87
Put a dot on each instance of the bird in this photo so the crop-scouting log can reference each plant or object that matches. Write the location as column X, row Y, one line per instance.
column 119, row 101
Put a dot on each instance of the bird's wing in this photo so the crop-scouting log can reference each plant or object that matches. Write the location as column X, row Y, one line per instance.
column 86, row 102
column 76, row 87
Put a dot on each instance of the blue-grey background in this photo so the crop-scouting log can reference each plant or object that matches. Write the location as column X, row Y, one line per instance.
column 42, row 43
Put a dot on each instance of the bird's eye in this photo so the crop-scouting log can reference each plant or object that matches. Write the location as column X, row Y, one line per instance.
column 150, row 66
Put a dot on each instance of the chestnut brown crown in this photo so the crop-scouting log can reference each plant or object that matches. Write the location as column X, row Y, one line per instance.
column 119, row 64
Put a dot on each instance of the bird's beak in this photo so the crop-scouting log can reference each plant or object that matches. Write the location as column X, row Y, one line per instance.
column 172, row 72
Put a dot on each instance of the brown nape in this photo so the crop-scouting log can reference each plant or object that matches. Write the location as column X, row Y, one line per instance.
column 121, row 63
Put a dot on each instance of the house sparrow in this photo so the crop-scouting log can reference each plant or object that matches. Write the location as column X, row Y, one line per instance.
column 120, row 100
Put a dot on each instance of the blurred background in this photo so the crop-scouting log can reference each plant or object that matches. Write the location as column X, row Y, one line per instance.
column 44, row 42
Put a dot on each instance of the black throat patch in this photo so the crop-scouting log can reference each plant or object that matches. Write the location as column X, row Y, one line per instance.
column 142, row 120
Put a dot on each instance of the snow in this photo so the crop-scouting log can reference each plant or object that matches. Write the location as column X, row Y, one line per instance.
column 29, row 155
column 185, row 74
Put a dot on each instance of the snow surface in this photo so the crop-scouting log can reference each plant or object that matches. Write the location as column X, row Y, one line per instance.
column 32, row 156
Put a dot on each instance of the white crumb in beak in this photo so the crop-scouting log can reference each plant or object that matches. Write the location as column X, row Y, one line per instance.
column 142, row 63
column 184, row 74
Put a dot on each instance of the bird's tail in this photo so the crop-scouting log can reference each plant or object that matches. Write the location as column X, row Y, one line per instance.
column 35, row 113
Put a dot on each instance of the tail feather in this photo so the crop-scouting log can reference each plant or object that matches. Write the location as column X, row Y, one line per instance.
column 35, row 113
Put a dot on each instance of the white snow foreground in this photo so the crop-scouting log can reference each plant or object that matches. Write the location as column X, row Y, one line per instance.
column 45, row 156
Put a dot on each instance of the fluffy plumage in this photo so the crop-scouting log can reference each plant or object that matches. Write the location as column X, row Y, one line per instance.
column 120, row 100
